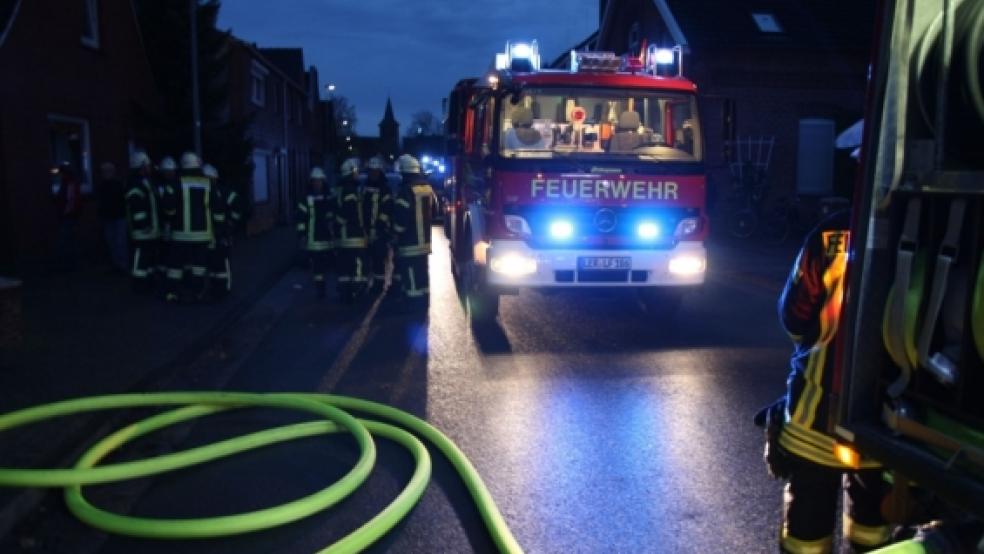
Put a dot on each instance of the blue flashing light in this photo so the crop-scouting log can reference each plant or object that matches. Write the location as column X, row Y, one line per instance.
column 648, row 230
column 561, row 229
column 521, row 50
column 425, row 159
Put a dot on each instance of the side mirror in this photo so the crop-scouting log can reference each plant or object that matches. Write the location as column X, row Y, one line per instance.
column 454, row 146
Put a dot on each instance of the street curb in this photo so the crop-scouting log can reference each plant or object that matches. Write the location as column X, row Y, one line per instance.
column 28, row 500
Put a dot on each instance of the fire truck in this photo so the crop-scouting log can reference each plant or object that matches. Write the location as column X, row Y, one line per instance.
column 909, row 383
column 587, row 177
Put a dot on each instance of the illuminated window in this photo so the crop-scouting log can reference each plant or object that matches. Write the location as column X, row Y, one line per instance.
column 90, row 23
column 766, row 22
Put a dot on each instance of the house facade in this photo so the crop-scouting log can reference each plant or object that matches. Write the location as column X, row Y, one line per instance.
column 77, row 93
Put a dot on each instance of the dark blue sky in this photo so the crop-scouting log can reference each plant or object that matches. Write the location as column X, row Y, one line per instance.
column 413, row 50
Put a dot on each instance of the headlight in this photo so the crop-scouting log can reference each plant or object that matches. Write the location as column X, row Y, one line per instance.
column 513, row 264
column 687, row 264
column 561, row 229
column 687, row 226
column 647, row 230
column 517, row 225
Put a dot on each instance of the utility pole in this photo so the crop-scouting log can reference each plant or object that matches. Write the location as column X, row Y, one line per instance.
column 195, row 107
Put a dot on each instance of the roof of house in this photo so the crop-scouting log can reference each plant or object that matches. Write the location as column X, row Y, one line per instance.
column 288, row 60
column 829, row 24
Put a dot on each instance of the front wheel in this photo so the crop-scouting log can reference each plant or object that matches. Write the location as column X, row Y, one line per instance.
column 742, row 223
column 482, row 305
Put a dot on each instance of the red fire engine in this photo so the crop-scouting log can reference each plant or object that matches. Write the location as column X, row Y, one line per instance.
column 588, row 177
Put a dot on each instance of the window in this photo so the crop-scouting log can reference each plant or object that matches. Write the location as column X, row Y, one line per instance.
column 69, row 141
column 766, row 22
column 90, row 23
column 600, row 124
column 258, row 84
column 261, row 185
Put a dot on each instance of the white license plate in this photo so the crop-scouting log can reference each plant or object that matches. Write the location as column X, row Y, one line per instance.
column 604, row 262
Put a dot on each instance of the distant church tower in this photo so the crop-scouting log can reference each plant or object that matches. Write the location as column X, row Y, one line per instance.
column 389, row 132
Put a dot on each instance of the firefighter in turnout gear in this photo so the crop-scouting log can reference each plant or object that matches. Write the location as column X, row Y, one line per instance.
column 799, row 447
column 223, row 220
column 412, row 219
column 143, row 223
column 350, row 235
column 167, row 175
column 314, row 226
column 188, row 206
column 377, row 207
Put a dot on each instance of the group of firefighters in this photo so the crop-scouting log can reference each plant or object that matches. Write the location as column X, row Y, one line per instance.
column 180, row 224
column 354, row 227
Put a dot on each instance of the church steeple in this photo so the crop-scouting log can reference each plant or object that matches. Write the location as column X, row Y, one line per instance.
column 389, row 132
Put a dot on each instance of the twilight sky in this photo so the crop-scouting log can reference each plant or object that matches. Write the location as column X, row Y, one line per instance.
column 412, row 50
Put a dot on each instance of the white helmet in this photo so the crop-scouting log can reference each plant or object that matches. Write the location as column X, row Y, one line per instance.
column 209, row 171
column 190, row 160
column 168, row 164
column 139, row 159
column 376, row 162
column 318, row 173
column 408, row 164
column 350, row 166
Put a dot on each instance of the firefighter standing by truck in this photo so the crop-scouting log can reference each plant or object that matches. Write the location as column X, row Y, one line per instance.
column 377, row 205
column 143, row 223
column 798, row 447
column 350, row 235
column 413, row 211
column 314, row 227
column 188, row 206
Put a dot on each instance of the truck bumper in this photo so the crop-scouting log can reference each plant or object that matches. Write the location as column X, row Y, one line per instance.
column 513, row 264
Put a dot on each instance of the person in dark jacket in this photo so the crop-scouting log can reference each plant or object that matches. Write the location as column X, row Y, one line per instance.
column 314, row 227
column 188, row 206
column 413, row 211
column 68, row 206
column 224, row 220
column 167, row 174
column 143, row 222
column 377, row 207
column 111, row 209
column 801, row 448
column 350, row 235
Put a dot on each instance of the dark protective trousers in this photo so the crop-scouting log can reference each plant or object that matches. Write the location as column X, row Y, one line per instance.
column 320, row 264
column 143, row 264
column 219, row 268
column 379, row 251
column 188, row 268
column 352, row 272
column 810, row 509
column 412, row 274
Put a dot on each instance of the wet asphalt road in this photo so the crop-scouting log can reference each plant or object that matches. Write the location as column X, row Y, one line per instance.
column 597, row 427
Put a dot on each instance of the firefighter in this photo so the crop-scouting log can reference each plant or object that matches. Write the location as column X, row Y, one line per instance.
column 219, row 269
column 188, row 206
column 350, row 234
column 314, row 226
column 798, row 446
column 377, row 206
column 143, row 222
column 413, row 211
column 167, row 174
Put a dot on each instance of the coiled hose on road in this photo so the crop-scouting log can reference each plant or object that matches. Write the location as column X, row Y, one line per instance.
column 331, row 408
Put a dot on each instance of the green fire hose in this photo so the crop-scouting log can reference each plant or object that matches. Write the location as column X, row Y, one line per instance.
column 399, row 426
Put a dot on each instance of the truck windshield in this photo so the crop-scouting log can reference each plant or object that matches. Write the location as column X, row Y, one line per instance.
column 602, row 123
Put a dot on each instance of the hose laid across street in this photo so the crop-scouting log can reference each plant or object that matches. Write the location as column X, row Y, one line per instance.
column 334, row 418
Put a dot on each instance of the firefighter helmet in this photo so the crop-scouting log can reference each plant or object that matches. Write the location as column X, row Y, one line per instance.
column 318, row 173
column 209, row 171
column 376, row 162
column 408, row 164
column 168, row 164
column 139, row 159
column 190, row 160
column 350, row 166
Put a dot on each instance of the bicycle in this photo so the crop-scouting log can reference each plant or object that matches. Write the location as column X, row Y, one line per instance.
column 748, row 195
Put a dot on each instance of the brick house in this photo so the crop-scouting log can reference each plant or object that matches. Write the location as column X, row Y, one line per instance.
column 790, row 69
column 75, row 83
column 288, row 128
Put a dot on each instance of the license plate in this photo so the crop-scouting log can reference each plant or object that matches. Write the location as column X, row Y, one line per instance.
column 604, row 262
